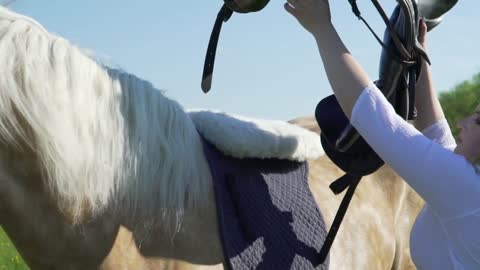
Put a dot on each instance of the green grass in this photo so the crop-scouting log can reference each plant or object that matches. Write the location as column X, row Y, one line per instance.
column 9, row 257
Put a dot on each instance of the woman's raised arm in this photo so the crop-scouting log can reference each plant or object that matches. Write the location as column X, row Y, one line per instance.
column 426, row 99
column 347, row 78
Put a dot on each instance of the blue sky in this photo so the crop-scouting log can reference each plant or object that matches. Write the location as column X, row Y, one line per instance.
column 267, row 66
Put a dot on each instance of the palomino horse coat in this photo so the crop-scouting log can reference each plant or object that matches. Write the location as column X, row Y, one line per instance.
column 99, row 170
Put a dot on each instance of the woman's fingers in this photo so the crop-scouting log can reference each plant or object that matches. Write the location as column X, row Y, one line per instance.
column 422, row 32
column 302, row 4
column 294, row 3
column 290, row 9
column 311, row 14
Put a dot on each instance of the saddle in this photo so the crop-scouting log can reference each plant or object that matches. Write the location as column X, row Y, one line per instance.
column 400, row 65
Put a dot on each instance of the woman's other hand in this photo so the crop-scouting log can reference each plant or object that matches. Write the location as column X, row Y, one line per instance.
column 422, row 33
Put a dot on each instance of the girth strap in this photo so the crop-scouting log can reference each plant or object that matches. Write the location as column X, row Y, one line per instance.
column 347, row 181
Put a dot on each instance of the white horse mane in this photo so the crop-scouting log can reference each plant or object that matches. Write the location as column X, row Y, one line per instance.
column 103, row 138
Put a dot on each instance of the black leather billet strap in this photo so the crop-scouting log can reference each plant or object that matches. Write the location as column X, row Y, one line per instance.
column 229, row 6
column 223, row 15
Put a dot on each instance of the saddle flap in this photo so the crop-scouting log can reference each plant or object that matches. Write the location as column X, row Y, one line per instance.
column 330, row 117
column 360, row 159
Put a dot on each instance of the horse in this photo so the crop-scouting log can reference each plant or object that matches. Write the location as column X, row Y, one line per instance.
column 100, row 170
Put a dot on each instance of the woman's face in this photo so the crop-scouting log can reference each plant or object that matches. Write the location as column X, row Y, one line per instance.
column 468, row 140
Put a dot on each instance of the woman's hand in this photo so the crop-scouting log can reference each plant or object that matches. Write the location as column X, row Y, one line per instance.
column 422, row 33
column 313, row 15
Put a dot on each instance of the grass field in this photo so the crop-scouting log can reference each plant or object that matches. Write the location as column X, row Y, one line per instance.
column 9, row 257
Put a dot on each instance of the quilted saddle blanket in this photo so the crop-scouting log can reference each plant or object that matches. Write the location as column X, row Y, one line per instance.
column 268, row 218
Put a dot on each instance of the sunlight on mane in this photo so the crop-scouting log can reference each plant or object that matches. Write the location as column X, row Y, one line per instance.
column 104, row 138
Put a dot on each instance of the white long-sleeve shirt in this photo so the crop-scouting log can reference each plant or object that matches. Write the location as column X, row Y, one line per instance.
column 446, row 234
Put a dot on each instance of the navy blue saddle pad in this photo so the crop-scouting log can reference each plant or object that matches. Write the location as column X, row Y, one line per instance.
column 268, row 218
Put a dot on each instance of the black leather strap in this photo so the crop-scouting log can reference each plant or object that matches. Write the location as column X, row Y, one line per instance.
column 350, row 181
column 223, row 16
column 404, row 57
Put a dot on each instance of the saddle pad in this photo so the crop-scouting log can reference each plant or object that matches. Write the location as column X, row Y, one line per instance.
column 244, row 137
column 267, row 215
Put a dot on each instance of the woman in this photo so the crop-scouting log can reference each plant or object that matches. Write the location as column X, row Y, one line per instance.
column 445, row 235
